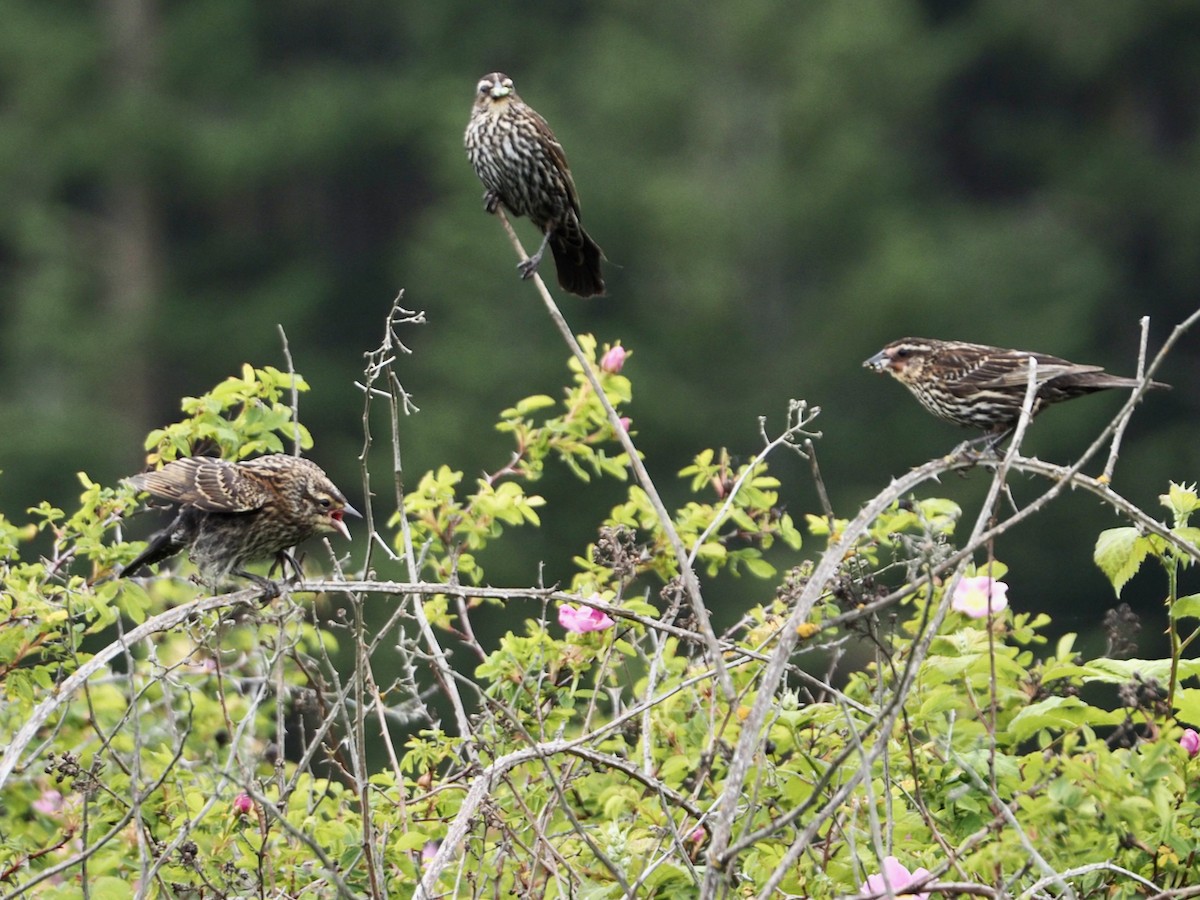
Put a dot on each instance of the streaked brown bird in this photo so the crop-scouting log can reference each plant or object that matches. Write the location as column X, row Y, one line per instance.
column 522, row 165
column 978, row 386
column 230, row 514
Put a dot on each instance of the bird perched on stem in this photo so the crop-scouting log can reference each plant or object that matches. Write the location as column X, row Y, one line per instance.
column 522, row 165
column 978, row 386
column 230, row 514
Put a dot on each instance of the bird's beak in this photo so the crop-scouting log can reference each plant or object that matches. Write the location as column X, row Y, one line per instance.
column 499, row 90
column 878, row 362
column 338, row 514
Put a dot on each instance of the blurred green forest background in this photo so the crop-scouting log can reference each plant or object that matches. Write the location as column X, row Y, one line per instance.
column 780, row 188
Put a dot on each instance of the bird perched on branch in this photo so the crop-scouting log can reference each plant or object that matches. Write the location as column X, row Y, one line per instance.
column 230, row 514
column 522, row 165
column 978, row 386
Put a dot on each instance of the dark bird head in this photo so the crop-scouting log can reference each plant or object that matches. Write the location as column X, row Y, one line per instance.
column 320, row 502
column 495, row 90
column 905, row 359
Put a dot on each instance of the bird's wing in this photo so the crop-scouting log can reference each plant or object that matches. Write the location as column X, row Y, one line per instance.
column 558, row 154
column 1012, row 370
column 207, row 484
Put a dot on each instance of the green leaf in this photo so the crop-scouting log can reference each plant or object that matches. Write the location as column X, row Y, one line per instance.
column 938, row 508
column 675, row 768
column 1187, row 705
column 1191, row 534
column 413, row 840
column 817, row 525
column 1186, row 607
column 1119, row 554
column 788, row 531
column 534, row 403
column 1118, row 671
column 110, row 887
column 133, row 601
column 1059, row 714
column 759, row 567
column 1181, row 500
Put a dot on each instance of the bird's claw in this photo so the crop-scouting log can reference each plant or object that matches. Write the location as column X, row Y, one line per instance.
column 491, row 202
column 528, row 266
column 270, row 587
column 972, row 453
column 284, row 561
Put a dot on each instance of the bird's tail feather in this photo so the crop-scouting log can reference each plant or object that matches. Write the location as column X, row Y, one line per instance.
column 578, row 264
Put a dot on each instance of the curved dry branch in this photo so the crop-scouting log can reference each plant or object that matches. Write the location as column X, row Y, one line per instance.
column 690, row 582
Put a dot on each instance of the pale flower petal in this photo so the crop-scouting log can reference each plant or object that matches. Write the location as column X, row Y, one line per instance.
column 49, row 803
column 614, row 360
column 1190, row 741
column 972, row 596
column 898, row 879
column 582, row 620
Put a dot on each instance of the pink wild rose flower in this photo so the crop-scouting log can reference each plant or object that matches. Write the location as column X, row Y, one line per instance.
column 1190, row 741
column 898, row 879
column 972, row 593
column 49, row 803
column 614, row 359
column 582, row 620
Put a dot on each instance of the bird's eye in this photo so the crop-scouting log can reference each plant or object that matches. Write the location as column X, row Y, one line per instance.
column 903, row 353
column 324, row 502
column 507, row 83
column 485, row 86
